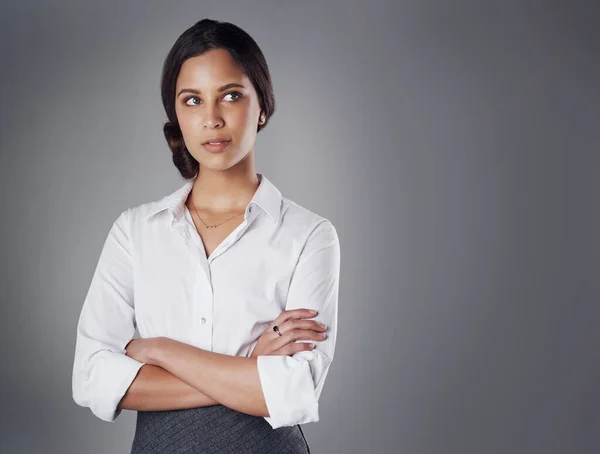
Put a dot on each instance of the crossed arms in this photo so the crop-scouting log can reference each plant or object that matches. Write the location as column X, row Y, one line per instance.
column 283, row 389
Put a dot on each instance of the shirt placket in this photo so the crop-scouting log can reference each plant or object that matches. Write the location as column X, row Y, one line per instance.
column 203, row 294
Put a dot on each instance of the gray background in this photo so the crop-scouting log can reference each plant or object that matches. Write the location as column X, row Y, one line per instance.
column 455, row 146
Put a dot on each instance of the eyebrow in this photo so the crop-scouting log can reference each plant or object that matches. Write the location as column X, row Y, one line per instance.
column 197, row 92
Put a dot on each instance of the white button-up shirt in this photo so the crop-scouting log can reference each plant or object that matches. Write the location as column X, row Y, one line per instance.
column 153, row 273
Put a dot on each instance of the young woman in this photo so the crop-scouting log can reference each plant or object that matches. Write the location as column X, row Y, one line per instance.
column 219, row 277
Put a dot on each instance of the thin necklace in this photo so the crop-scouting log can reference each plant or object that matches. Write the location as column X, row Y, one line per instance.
column 215, row 225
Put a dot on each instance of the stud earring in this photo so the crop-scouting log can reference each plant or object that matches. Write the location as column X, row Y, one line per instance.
column 262, row 118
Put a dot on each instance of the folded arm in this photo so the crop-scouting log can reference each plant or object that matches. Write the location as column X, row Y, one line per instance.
column 232, row 381
column 285, row 390
column 293, row 384
column 154, row 388
column 104, row 378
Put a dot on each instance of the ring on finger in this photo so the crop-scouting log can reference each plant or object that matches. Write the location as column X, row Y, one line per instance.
column 276, row 329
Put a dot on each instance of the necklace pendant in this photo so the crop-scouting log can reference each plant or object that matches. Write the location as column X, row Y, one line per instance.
column 211, row 226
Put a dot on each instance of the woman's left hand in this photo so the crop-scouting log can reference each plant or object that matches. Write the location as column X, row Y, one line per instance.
column 143, row 350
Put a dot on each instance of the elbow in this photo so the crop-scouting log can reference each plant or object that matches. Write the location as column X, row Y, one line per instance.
column 304, row 417
column 80, row 391
column 101, row 385
column 296, row 412
column 103, row 407
column 84, row 396
column 291, row 396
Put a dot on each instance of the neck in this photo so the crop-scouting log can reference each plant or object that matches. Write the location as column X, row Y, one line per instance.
column 224, row 191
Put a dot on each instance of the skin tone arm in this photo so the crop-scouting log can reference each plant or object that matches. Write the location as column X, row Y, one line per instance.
column 178, row 375
column 155, row 389
column 232, row 381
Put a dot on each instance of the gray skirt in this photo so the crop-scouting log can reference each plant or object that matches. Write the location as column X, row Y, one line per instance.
column 215, row 429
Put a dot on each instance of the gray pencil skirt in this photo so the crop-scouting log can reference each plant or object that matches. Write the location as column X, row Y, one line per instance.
column 215, row 429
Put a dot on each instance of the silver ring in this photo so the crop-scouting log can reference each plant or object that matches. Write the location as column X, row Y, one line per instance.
column 276, row 329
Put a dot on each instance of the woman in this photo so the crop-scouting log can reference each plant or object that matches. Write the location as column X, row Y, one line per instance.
column 219, row 277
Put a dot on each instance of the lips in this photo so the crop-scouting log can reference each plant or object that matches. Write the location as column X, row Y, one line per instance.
column 216, row 145
column 216, row 141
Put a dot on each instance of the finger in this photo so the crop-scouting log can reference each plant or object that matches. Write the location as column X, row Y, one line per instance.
column 293, row 314
column 290, row 349
column 302, row 324
column 297, row 334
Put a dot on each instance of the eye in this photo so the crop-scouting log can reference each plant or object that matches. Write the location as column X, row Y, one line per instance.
column 235, row 94
column 190, row 98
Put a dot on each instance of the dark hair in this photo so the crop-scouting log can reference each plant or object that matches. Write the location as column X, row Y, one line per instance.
column 203, row 36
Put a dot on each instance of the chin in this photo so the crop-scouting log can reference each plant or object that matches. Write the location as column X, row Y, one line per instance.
column 219, row 163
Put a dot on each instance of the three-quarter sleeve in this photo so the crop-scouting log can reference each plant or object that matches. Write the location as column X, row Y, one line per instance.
column 102, row 372
column 293, row 384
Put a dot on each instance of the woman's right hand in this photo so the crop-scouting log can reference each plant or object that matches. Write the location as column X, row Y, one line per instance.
column 293, row 327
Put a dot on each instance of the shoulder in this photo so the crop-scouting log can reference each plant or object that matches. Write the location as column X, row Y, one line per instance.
column 306, row 223
column 137, row 215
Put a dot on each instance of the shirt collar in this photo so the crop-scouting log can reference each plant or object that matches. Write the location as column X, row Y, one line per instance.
column 267, row 197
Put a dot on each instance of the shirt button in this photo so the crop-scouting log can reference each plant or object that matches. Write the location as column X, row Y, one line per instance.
column 203, row 320
column 250, row 210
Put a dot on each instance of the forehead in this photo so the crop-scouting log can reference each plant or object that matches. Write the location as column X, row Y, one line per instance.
column 209, row 70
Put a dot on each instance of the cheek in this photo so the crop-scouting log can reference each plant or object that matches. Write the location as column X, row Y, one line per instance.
column 186, row 121
column 239, row 116
column 244, row 118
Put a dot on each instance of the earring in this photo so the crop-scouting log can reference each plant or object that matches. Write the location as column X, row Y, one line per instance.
column 262, row 118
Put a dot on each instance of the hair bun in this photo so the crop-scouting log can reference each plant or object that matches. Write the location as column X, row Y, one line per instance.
column 186, row 164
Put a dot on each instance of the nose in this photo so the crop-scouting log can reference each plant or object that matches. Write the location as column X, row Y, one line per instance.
column 212, row 117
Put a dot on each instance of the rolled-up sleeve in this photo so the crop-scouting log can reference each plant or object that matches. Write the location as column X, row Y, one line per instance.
column 293, row 384
column 102, row 372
